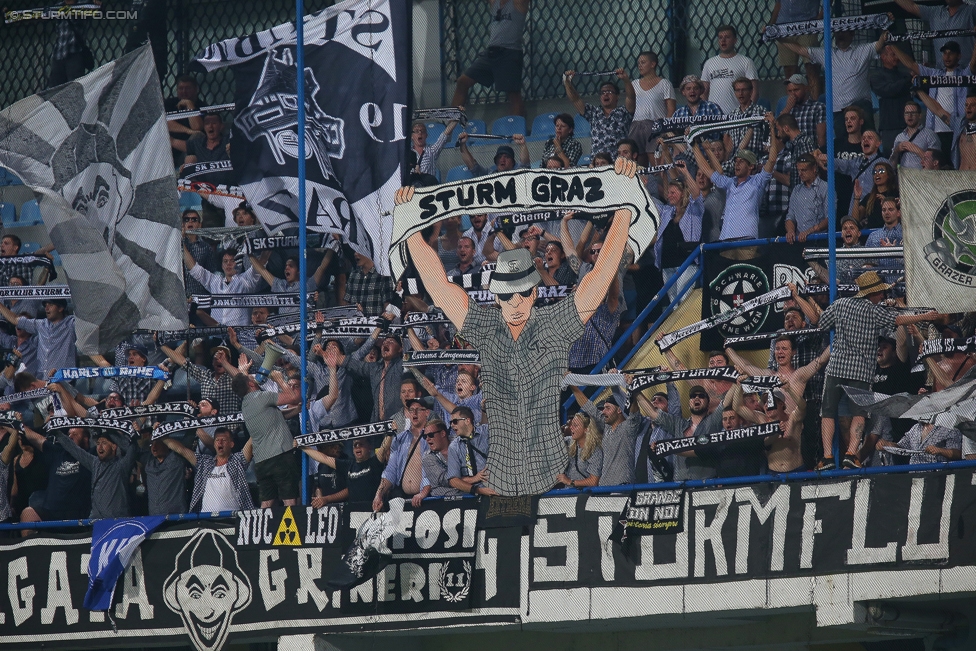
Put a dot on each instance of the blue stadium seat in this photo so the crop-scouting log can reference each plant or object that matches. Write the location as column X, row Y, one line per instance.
column 30, row 214
column 763, row 102
column 543, row 127
column 582, row 129
column 508, row 125
column 9, row 214
column 434, row 131
column 459, row 173
column 474, row 126
column 8, row 178
column 781, row 104
column 29, row 247
column 585, row 160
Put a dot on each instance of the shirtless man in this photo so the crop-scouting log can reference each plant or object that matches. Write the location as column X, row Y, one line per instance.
column 782, row 452
column 963, row 144
column 795, row 379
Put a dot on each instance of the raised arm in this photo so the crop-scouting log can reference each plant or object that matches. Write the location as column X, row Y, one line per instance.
column 320, row 457
column 909, row 6
column 934, row 107
column 742, row 365
column 630, row 95
column 906, row 60
column 572, row 93
column 7, row 454
column 35, row 439
column 261, row 269
column 774, row 145
column 466, row 155
column 803, row 374
column 181, row 450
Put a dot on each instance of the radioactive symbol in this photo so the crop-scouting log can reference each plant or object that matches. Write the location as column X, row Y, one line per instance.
column 287, row 533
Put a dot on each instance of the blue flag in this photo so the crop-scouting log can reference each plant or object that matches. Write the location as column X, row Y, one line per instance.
column 113, row 544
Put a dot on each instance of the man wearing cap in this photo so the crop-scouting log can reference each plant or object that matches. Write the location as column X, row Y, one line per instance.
column 744, row 191
column 524, row 349
column 956, row 14
column 504, row 156
column 686, row 464
column 609, row 123
column 857, row 323
column 810, row 115
column 384, row 374
column 722, row 73
column 693, row 89
column 850, row 71
column 619, row 435
column 648, row 468
column 468, row 455
column 55, row 335
column 403, row 454
column 952, row 100
column 912, row 143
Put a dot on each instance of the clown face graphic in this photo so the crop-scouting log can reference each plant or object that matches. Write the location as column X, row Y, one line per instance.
column 207, row 588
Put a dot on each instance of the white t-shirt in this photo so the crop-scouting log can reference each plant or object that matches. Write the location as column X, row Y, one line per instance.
column 219, row 495
column 650, row 103
column 719, row 73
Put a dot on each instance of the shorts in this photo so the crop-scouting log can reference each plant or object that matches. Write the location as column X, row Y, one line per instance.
column 788, row 57
column 833, row 394
column 641, row 132
column 36, row 502
column 498, row 67
column 278, row 477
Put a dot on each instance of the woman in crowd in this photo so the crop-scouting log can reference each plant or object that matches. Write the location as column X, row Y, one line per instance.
column 585, row 454
column 681, row 228
column 563, row 146
column 867, row 209
column 655, row 100
column 929, row 443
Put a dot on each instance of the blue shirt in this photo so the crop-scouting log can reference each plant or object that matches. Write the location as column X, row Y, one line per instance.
column 741, row 218
column 808, row 205
column 458, row 459
column 399, row 450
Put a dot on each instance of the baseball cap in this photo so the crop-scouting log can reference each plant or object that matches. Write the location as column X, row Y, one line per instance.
column 426, row 402
column 139, row 349
column 848, row 218
column 746, row 155
column 690, row 79
column 797, row 79
column 951, row 46
column 504, row 150
column 697, row 389
column 608, row 401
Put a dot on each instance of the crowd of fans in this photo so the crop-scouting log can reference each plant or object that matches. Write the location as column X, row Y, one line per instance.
column 767, row 179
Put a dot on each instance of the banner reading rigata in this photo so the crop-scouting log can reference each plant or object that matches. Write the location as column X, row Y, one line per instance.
column 939, row 225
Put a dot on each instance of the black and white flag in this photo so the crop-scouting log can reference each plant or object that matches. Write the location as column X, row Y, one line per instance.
column 939, row 224
column 356, row 73
column 96, row 152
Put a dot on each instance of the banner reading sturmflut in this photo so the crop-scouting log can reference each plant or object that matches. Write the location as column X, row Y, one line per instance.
column 356, row 57
column 939, row 225
column 96, row 150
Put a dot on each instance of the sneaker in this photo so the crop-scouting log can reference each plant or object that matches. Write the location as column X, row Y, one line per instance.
column 827, row 463
column 851, row 462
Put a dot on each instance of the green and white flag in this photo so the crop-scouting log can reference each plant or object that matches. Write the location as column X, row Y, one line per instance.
column 939, row 226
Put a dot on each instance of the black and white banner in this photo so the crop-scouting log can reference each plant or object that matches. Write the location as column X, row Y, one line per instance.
column 256, row 245
column 939, row 224
column 700, row 130
column 210, row 301
column 193, row 333
column 672, row 338
column 356, row 96
column 449, row 113
column 855, row 252
column 705, row 441
column 105, row 190
column 216, row 172
column 843, row 24
column 641, row 382
column 214, row 108
column 947, row 347
column 943, row 81
column 67, row 422
column 761, row 382
column 527, row 190
column 415, row 358
column 32, row 261
column 344, row 434
column 547, row 294
column 39, row 292
column 766, row 336
column 435, row 315
column 141, row 411
column 11, row 419
column 521, row 219
column 145, row 372
column 650, row 512
column 843, row 289
column 33, row 394
column 287, row 526
column 682, row 123
column 930, row 34
column 192, row 424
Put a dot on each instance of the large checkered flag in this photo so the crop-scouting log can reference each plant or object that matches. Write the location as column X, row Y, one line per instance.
column 96, row 153
column 356, row 73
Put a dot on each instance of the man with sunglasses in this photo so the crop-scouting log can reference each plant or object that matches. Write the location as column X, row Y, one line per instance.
column 686, row 465
column 468, row 454
column 201, row 250
column 619, row 436
column 403, row 454
column 435, row 464
column 609, row 123
column 524, row 350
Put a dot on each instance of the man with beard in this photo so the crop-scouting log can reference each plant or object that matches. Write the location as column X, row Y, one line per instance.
column 810, row 115
column 619, row 436
column 504, row 156
column 466, row 259
column 858, row 169
column 220, row 483
column 384, row 374
column 109, row 471
column 479, row 235
column 847, row 268
column 687, row 465
column 165, row 474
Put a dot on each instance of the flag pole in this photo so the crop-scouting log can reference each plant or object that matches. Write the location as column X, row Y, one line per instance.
column 302, row 234
column 831, row 189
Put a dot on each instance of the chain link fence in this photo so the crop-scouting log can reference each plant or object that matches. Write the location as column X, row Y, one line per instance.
column 185, row 27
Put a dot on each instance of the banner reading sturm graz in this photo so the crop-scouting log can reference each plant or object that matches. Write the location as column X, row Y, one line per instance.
column 727, row 284
column 355, row 110
column 939, row 223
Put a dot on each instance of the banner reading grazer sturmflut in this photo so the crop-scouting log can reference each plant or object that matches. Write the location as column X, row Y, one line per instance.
column 939, row 224
column 356, row 58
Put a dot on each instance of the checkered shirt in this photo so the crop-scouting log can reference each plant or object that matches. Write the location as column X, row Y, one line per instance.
column 605, row 132
column 597, row 337
column 704, row 108
column 213, row 388
column 371, row 290
column 857, row 323
column 25, row 271
column 70, row 39
column 520, row 379
column 940, row 437
column 204, row 255
column 760, row 132
column 778, row 194
column 236, row 469
column 133, row 388
column 571, row 147
column 808, row 115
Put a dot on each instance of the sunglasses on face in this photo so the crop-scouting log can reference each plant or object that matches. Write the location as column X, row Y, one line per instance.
column 607, row 92
column 876, row 172
column 698, row 396
column 508, row 297
column 430, row 435
column 594, row 251
column 455, row 421
column 189, row 220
